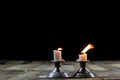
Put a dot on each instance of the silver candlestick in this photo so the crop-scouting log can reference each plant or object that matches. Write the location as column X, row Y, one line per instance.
column 83, row 72
column 57, row 72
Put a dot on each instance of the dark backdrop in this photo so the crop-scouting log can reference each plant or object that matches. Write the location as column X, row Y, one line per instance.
column 38, row 43
column 30, row 34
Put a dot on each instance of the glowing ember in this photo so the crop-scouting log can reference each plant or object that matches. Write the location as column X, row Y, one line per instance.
column 88, row 47
column 59, row 49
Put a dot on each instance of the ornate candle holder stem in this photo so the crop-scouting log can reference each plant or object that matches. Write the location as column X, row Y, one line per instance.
column 57, row 72
column 83, row 72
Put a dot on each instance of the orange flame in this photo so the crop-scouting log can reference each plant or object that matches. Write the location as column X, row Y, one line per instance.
column 88, row 47
column 59, row 49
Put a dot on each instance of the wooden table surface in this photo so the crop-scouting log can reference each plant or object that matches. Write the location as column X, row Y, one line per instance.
column 31, row 70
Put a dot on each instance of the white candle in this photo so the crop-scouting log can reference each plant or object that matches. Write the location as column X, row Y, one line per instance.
column 83, row 57
column 57, row 55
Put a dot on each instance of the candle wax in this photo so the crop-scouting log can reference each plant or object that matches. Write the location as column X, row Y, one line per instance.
column 57, row 55
column 83, row 57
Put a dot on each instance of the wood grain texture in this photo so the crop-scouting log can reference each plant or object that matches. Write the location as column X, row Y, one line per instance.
column 31, row 70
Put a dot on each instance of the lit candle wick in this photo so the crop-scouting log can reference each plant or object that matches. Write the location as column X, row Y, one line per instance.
column 88, row 47
column 59, row 49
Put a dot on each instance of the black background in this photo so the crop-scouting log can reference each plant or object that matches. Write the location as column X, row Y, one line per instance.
column 29, row 34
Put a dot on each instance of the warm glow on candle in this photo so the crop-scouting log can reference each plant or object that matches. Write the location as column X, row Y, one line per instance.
column 88, row 47
column 83, row 57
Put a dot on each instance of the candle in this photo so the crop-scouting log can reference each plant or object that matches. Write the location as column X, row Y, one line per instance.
column 57, row 54
column 83, row 57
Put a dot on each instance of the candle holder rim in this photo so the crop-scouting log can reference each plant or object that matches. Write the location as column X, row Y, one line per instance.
column 82, row 61
column 58, row 60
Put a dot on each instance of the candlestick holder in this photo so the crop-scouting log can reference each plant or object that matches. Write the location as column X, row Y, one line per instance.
column 57, row 72
column 83, row 72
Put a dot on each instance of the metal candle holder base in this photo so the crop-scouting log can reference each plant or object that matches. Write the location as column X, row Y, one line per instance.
column 83, row 72
column 57, row 72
